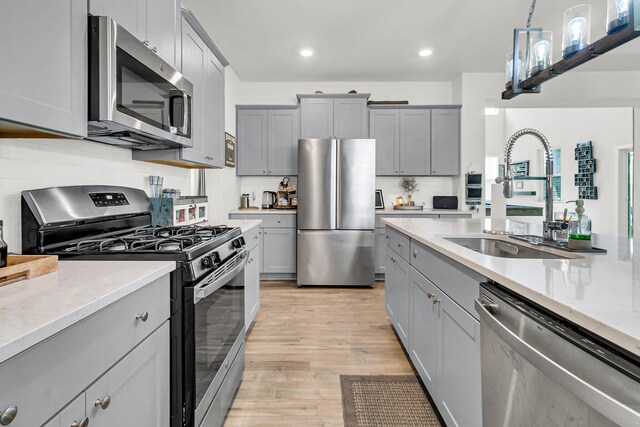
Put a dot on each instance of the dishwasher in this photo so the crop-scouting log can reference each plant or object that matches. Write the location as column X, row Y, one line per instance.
column 541, row 370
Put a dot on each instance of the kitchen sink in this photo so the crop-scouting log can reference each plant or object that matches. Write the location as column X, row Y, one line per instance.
column 502, row 249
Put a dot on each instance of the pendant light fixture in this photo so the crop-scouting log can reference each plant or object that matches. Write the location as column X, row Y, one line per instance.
column 577, row 26
column 541, row 43
column 617, row 15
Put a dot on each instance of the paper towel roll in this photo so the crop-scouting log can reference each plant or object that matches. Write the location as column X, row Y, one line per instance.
column 498, row 202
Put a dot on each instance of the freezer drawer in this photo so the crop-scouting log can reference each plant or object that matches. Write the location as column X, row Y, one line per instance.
column 336, row 258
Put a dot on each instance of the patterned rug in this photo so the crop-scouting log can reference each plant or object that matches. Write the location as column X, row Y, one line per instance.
column 385, row 401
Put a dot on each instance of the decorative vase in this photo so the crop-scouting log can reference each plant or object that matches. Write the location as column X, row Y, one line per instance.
column 409, row 202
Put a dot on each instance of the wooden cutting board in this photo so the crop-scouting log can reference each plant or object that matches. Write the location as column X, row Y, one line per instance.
column 20, row 267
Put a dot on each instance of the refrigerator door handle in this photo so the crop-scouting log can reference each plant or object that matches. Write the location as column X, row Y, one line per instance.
column 338, row 184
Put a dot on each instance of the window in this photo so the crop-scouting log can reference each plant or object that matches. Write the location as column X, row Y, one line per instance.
column 556, row 179
column 490, row 174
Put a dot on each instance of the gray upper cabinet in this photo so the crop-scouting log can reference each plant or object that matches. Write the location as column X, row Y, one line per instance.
column 44, row 66
column 316, row 118
column 350, row 118
column 385, row 128
column 205, row 70
column 267, row 140
column 416, row 140
column 252, row 142
column 156, row 23
column 445, row 141
column 340, row 116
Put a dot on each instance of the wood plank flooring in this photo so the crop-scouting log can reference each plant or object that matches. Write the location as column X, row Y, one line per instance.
column 302, row 340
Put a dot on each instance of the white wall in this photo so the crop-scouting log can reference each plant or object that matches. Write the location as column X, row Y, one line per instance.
column 415, row 92
column 610, row 129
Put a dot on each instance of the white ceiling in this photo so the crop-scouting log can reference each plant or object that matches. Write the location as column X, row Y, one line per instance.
column 379, row 40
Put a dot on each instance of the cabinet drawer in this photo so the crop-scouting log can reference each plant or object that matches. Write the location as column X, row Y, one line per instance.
column 44, row 378
column 457, row 281
column 73, row 413
column 270, row 220
column 251, row 238
column 398, row 242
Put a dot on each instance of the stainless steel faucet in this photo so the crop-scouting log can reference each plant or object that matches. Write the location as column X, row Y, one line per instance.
column 549, row 225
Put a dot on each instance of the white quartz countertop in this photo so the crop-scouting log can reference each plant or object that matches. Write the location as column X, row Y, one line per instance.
column 35, row 309
column 244, row 224
column 385, row 211
column 600, row 293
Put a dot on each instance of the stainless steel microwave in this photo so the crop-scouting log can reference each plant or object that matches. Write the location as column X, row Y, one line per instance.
column 136, row 99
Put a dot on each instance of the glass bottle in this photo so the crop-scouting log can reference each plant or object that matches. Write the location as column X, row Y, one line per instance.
column 3, row 249
column 580, row 229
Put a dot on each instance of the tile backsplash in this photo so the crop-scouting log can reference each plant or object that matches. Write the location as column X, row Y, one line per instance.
column 27, row 164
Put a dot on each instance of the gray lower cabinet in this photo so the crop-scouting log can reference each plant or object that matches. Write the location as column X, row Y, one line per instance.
column 205, row 71
column 252, row 286
column 443, row 337
column 416, row 140
column 136, row 390
column 44, row 66
column 267, row 140
column 278, row 250
column 340, row 116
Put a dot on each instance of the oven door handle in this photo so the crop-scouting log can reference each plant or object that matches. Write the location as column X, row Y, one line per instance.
column 202, row 291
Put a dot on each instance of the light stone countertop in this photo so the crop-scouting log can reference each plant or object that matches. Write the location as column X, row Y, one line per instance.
column 35, row 309
column 386, row 211
column 600, row 293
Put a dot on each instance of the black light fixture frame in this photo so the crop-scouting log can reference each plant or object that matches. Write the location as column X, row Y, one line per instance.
column 599, row 47
column 515, row 72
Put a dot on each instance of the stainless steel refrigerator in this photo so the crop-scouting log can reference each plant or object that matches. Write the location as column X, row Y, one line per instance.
column 336, row 212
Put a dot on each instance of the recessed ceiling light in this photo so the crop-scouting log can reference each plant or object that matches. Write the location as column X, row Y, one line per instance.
column 425, row 52
column 306, row 52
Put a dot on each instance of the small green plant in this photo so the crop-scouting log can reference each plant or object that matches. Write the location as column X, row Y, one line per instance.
column 409, row 184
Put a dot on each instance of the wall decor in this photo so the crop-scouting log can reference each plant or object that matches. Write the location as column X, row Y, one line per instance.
column 229, row 150
column 586, row 168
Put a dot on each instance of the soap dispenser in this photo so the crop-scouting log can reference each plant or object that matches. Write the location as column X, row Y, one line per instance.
column 580, row 229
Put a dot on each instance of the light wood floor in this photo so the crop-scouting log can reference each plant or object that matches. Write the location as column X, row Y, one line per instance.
column 302, row 340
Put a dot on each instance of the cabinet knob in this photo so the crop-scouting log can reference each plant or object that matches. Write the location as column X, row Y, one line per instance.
column 83, row 423
column 104, row 402
column 433, row 171
column 154, row 49
column 264, row 172
column 144, row 316
column 265, row 231
column 256, row 237
column 400, row 245
column 415, row 253
column 429, row 295
column 146, row 42
column 279, row 221
column 388, row 237
column 269, row 171
column 8, row 415
column 397, row 171
column 434, row 299
column 401, row 171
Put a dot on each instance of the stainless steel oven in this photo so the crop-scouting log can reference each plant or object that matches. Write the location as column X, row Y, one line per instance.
column 214, row 340
column 136, row 99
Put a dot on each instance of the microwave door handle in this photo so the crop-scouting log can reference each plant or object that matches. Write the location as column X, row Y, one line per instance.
column 185, row 113
column 202, row 291
column 179, row 93
column 594, row 397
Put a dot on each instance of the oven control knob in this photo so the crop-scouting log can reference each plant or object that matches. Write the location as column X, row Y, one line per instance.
column 207, row 261
column 238, row 243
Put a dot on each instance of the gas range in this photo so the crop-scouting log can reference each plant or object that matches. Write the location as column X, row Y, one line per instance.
column 207, row 288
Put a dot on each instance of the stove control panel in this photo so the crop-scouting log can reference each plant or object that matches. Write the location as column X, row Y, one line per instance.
column 103, row 200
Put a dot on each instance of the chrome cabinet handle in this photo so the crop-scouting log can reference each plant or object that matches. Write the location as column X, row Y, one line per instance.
column 434, row 299
column 401, row 171
column 8, row 415
column 154, row 49
column 269, row 171
column 265, row 231
column 388, row 237
column 396, row 171
column 144, row 316
column 103, row 403
column 415, row 253
column 400, row 245
column 279, row 221
column 83, row 423
column 433, row 171
column 256, row 237
column 146, row 42
column 429, row 295
column 264, row 172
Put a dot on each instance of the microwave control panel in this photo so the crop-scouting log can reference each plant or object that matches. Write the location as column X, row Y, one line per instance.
column 103, row 200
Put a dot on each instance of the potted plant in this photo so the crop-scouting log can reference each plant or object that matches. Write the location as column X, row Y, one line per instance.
column 409, row 185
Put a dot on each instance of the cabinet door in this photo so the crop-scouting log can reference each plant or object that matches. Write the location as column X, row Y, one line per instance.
column 73, row 413
column 316, row 118
column 423, row 327
column 284, row 132
column 445, row 142
column 279, row 254
column 385, row 129
column 130, row 15
column 214, row 145
column 44, row 64
column 390, row 285
column 458, row 395
column 350, row 118
column 163, row 30
column 381, row 259
column 252, row 286
column 137, row 386
column 194, row 58
column 415, row 142
column 402, row 287
column 252, row 142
